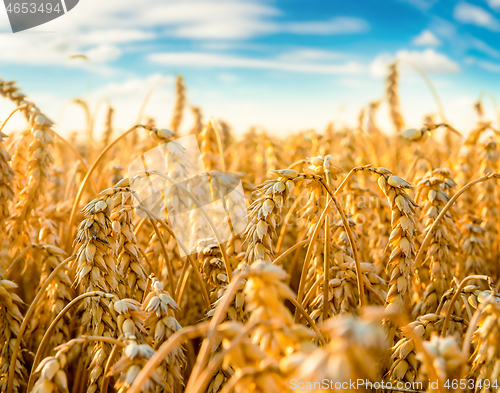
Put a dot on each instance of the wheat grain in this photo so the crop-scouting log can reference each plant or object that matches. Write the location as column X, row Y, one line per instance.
column 10, row 321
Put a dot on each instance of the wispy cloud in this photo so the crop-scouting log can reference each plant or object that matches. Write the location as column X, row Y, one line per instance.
column 472, row 14
column 423, row 5
column 115, row 36
column 54, row 50
column 338, row 25
column 311, row 54
column 484, row 47
column 426, row 38
column 195, row 19
column 488, row 65
column 204, row 60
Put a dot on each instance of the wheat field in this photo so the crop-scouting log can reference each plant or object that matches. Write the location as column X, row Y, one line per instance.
column 369, row 255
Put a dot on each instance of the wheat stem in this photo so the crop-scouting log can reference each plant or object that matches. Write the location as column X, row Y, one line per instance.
column 219, row 314
column 352, row 243
column 188, row 256
column 430, row 232
column 48, row 332
column 80, row 158
column 457, row 294
column 105, row 380
column 173, row 341
column 69, row 234
column 11, row 114
column 305, row 266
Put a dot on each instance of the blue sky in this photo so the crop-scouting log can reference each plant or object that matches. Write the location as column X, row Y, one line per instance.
column 285, row 65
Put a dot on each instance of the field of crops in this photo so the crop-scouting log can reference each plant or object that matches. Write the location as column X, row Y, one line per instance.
column 368, row 255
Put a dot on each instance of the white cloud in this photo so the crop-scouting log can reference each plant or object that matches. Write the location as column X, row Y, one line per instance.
column 115, row 36
column 428, row 61
column 102, row 28
column 103, row 53
column 339, row 25
column 34, row 49
column 228, row 77
column 488, row 65
column 198, row 19
column 472, row 14
column 200, row 59
column 426, row 38
column 55, row 50
column 494, row 3
column 310, row 54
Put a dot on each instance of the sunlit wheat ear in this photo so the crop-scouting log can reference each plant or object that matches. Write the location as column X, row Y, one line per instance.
column 392, row 96
column 19, row 160
column 180, row 101
column 380, row 230
column 264, row 213
column 438, row 267
column 40, row 160
column 161, row 324
column 96, row 270
column 227, row 134
column 405, row 364
column 353, row 353
column 127, row 248
column 10, row 321
column 371, row 126
column 130, row 319
column 57, row 180
column 486, row 356
column 311, row 212
column 447, row 359
column 213, row 269
column 53, row 377
column 108, row 127
column 58, row 294
column 272, row 155
column 198, row 120
column 473, row 247
column 342, row 291
column 265, row 293
column 489, row 197
column 96, row 265
column 161, row 136
column 6, row 183
column 274, row 334
column 236, row 311
column 401, row 262
column 125, row 370
column 207, row 140
column 466, row 167
column 251, row 365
